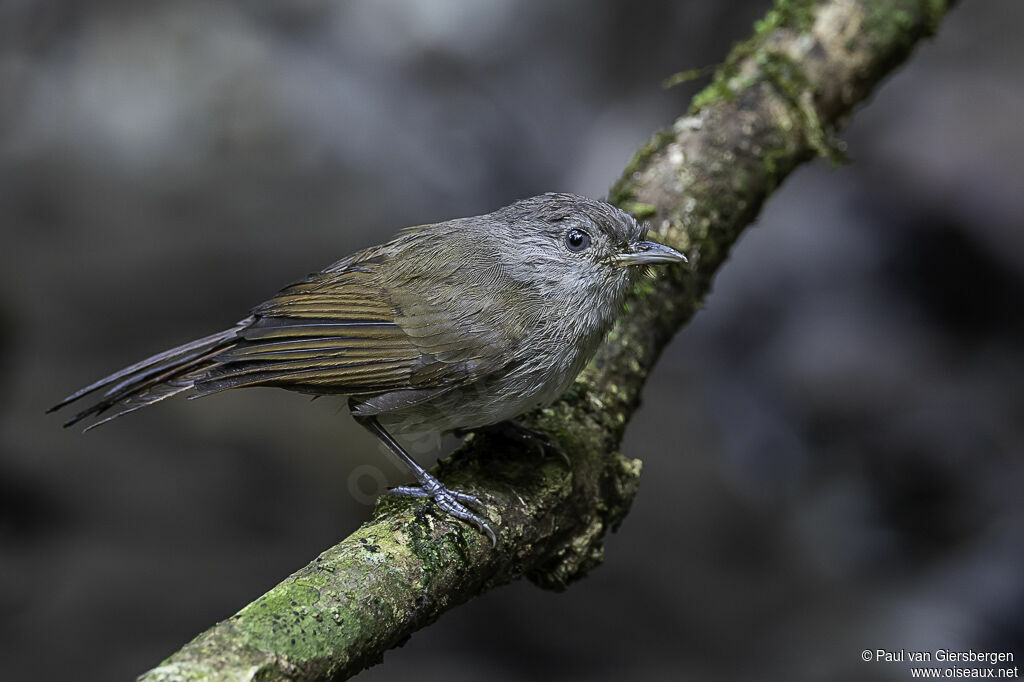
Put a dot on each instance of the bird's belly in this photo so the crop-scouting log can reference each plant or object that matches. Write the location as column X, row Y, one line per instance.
column 479, row 404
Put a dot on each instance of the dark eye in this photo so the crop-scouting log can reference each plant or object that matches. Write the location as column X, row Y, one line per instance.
column 576, row 240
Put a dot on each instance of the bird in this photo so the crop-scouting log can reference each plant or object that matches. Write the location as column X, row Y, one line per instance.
column 450, row 326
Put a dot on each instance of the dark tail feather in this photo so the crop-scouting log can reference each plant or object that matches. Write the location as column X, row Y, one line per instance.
column 155, row 378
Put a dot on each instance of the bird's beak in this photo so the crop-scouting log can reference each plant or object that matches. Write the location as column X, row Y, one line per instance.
column 649, row 253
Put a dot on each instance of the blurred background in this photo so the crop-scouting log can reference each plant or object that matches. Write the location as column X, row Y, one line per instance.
column 832, row 448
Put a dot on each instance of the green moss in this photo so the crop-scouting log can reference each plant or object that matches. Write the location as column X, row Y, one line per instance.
column 934, row 10
column 638, row 209
column 716, row 90
column 903, row 21
column 886, row 21
column 434, row 550
column 796, row 15
column 771, row 158
column 310, row 613
column 789, row 80
column 289, row 620
column 686, row 76
column 786, row 77
column 623, row 191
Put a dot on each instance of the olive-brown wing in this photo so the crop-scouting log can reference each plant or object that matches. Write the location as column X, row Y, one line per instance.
column 345, row 332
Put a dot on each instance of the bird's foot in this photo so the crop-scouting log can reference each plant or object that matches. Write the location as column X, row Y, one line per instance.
column 537, row 441
column 450, row 501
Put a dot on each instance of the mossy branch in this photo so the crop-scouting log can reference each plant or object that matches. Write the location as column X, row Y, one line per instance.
column 775, row 102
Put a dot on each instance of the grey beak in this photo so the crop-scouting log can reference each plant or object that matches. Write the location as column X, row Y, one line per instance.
column 650, row 253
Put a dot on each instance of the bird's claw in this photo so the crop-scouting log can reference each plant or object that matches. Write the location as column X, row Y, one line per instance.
column 450, row 502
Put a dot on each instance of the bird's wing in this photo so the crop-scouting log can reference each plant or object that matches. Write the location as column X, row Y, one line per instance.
column 344, row 331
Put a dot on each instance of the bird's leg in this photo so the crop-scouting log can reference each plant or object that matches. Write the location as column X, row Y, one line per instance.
column 450, row 501
column 537, row 441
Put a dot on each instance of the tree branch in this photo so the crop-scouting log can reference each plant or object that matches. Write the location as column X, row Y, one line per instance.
column 774, row 103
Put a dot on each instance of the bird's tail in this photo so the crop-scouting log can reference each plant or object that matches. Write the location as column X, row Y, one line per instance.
column 153, row 379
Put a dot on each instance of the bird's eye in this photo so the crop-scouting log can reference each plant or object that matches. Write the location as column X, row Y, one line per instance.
column 576, row 240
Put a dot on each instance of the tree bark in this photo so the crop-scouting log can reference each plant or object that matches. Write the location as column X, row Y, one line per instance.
column 775, row 102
